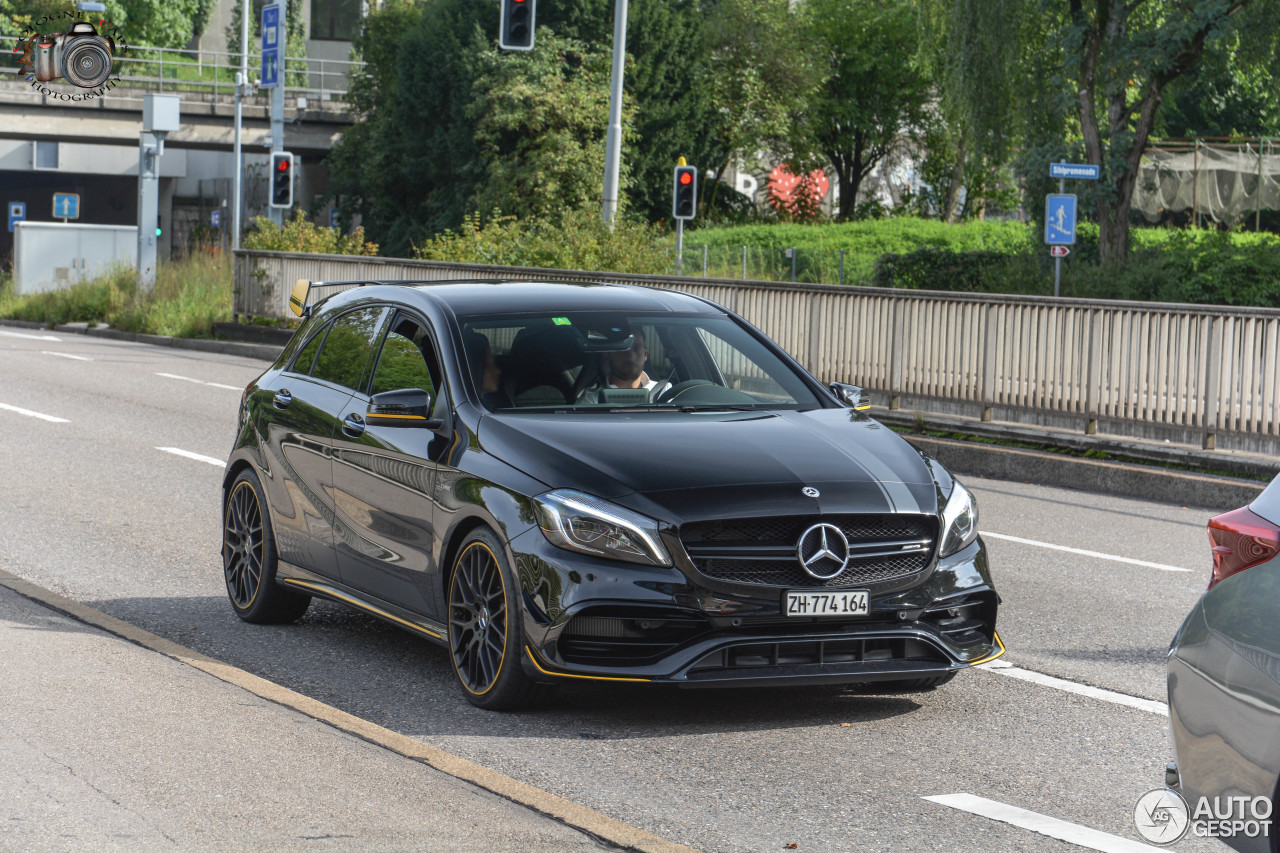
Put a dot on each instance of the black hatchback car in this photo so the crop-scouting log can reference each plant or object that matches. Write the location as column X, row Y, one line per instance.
column 586, row 481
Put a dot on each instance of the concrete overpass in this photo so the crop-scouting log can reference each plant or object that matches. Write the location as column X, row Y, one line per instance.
column 49, row 145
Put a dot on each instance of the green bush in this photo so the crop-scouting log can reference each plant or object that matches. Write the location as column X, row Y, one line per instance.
column 578, row 241
column 299, row 234
column 188, row 298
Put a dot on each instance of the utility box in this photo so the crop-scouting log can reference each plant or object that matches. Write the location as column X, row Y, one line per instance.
column 160, row 113
column 54, row 256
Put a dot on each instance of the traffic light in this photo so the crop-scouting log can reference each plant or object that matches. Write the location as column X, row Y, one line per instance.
column 685, row 202
column 515, row 25
column 281, row 179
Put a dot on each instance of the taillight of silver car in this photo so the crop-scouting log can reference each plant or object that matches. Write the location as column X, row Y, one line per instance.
column 1240, row 540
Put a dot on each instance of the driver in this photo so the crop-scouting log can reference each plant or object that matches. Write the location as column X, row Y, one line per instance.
column 625, row 369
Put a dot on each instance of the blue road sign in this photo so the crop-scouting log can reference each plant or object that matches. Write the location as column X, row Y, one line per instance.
column 17, row 213
column 1060, row 219
column 1079, row 171
column 333, row 217
column 215, row 219
column 270, row 46
column 66, row 206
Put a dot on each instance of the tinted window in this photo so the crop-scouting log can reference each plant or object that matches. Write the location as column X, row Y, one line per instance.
column 347, row 348
column 403, row 362
column 308, row 355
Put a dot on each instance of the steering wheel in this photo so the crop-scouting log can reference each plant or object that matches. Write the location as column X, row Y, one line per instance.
column 679, row 388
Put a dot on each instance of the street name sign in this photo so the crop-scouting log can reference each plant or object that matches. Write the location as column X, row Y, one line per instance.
column 1079, row 171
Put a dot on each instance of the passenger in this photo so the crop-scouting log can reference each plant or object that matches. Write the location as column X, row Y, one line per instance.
column 485, row 371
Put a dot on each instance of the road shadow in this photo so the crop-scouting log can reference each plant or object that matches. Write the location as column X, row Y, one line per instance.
column 383, row 674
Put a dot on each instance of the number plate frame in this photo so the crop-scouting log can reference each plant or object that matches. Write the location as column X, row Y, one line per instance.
column 842, row 602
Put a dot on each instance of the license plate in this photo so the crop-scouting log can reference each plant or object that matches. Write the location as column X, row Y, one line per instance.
column 845, row 603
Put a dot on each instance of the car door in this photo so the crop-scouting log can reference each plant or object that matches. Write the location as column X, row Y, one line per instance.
column 307, row 402
column 383, row 477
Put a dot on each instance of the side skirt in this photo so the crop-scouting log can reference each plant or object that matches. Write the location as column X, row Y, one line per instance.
column 299, row 578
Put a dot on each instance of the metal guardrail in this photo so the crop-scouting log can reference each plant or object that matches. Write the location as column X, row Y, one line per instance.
column 1186, row 373
column 166, row 69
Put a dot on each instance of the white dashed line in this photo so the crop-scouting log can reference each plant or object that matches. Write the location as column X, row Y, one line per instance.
column 200, row 382
column 1161, row 566
column 30, row 336
column 1003, row 668
column 187, row 454
column 50, row 418
column 66, row 355
column 1072, row 833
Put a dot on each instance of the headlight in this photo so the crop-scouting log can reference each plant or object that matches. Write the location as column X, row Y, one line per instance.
column 959, row 521
column 580, row 522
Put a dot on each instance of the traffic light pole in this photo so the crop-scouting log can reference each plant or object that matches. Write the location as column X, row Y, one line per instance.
column 679, row 247
column 613, row 141
column 237, row 171
column 277, row 110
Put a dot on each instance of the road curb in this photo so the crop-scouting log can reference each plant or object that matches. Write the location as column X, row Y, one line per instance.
column 1108, row 478
column 593, row 823
column 262, row 352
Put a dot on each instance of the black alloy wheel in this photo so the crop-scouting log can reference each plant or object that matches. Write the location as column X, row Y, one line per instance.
column 249, row 559
column 485, row 637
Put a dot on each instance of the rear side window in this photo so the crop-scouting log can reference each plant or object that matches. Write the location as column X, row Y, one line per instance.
column 302, row 364
column 347, row 348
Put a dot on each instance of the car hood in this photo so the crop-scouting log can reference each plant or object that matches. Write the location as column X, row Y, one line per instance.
column 682, row 466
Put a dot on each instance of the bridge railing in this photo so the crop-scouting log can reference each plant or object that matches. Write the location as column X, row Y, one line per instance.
column 179, row 70
column 1185, row 373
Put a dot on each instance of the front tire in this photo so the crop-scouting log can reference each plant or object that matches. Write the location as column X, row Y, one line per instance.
column 249, row 558
column 486, row 638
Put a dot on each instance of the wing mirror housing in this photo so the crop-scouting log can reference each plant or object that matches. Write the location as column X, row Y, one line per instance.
column 407, row 407
column 852, row 396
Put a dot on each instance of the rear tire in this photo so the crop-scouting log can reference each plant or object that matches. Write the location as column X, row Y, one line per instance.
column 249, row 558
column 913, row 685
column 486, row 636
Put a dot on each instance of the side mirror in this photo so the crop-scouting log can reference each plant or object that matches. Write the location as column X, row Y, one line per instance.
column 851, row 395
column 408, row 407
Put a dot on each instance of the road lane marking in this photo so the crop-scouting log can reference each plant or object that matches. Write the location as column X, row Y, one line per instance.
column 30, row 337
column 199, row 381
column 187, row 454
column 1161, row 566
column 1072, row 833
column 50, row 418
column 66, row 355
column 1005, row 668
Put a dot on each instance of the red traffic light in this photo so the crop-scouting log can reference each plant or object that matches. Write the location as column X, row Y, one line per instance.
column 686, row 178
column 282, row 165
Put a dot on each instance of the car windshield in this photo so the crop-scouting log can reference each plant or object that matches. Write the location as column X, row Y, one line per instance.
column 603, row 362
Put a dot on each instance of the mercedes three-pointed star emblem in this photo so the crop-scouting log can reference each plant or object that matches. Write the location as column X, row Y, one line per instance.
column 823, row 551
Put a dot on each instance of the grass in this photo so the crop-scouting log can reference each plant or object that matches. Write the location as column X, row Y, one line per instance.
column 188, row 298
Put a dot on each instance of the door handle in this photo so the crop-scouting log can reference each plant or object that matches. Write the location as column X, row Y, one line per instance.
column 353, row 425
column 283, row 398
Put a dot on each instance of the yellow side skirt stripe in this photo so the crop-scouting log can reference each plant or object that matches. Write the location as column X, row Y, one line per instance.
column 330, row 591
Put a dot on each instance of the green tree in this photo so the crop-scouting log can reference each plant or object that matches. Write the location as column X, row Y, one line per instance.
column 540, row 120
column 760, row 71
column 873, row 94
column 1108, row 64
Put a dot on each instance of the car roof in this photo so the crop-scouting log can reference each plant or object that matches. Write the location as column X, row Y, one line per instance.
column 464, row 298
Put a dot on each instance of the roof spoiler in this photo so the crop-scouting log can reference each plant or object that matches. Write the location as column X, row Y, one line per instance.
column 302, row 290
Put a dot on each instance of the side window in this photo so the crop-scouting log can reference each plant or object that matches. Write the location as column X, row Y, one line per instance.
column 407, row 360
column 302, row 364
column 347, row 348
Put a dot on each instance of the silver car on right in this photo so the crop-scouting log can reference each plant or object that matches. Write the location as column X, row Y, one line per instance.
column 1224, row 681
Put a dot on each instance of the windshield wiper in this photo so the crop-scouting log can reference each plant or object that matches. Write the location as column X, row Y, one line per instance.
column 719, row 407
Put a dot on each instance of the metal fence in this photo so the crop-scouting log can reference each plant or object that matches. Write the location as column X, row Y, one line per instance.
column 213, row 72
column 1185, row 373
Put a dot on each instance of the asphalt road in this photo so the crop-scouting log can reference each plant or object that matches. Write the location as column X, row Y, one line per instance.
column 92, row 509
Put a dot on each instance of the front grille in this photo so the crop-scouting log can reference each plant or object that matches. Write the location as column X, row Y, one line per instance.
column 895, row 650
column 883, row 547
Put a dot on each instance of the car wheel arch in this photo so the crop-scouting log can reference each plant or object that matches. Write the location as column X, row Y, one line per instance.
column 453, row 544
